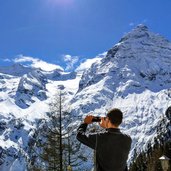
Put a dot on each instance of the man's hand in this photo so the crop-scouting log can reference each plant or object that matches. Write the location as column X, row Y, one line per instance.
column 88, row 119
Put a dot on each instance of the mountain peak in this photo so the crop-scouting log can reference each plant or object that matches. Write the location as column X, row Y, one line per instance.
column 141, row 27
column 139, row 32
column 139, row 43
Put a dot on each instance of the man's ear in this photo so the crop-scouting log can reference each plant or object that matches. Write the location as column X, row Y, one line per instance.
column 102, row 123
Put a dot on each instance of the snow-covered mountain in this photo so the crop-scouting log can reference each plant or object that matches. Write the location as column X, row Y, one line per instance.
column 134, row 75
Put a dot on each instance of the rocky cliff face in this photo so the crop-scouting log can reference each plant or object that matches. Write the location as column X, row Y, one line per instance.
column 134, row 75
column 31, row 86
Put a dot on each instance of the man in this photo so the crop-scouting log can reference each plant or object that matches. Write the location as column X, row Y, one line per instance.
column 111, row 146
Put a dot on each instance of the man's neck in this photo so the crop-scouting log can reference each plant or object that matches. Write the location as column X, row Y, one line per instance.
column 112, row 126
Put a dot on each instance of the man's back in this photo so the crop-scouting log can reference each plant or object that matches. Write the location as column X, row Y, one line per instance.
column 112, row 149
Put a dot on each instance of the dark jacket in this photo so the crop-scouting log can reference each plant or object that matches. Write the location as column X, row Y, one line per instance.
column 112, row 147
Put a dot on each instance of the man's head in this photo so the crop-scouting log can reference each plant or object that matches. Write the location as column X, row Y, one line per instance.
column 115, row 116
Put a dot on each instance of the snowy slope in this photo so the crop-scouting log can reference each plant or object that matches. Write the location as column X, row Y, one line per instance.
column 134, row 75
column 24, row 99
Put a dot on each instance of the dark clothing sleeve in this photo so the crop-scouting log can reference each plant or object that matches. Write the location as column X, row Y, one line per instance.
column 88, row 140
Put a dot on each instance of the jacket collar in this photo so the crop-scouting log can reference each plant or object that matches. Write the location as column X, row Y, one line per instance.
column 113, row 129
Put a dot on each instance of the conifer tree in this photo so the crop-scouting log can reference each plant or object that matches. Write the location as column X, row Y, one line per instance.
column 55, row 148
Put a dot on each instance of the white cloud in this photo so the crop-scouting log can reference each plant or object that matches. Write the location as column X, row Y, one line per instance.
column 70, row 61
column 137, row 23
column 36, row 63
column 7, row 60
column 131, row 24
column 145, row 21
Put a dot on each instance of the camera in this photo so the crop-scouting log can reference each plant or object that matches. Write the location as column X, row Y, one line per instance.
column 96, row 119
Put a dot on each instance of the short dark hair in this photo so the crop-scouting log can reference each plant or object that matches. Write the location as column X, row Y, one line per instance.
column 115, row 116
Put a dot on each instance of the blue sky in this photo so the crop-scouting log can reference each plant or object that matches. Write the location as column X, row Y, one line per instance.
column 69, row 31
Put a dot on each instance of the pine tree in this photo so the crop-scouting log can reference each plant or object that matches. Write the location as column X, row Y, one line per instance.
column 55, row 145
